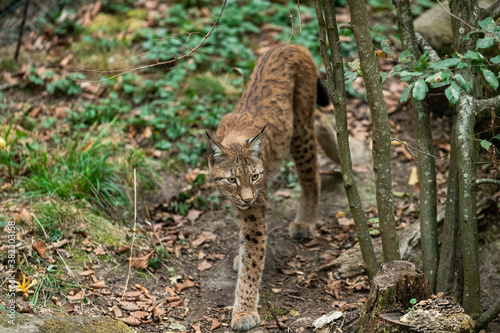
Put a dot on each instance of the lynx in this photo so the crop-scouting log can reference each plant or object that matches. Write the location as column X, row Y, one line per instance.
column 275, row 115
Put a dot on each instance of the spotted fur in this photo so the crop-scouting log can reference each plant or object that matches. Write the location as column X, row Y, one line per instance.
column 275, row 115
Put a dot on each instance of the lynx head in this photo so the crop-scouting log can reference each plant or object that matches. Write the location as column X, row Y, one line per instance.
column 238, row 170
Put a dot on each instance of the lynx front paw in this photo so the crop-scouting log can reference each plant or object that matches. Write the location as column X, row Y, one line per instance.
column 301, row 230
column 243, row 321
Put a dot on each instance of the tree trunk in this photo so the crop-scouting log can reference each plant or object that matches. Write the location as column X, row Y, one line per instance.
column 336, row 90
column 466, row 158
column 450, row 270
column 426, row 164
column 381, row 130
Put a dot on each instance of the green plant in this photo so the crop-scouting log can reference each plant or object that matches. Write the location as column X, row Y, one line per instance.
column 79, row 171
column 446, row 72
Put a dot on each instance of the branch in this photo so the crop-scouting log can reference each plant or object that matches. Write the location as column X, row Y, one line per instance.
column 425, row 46
column 488, row 316
column 487, row 181
column 492, row 11
column 21, row 29
column 484, row 106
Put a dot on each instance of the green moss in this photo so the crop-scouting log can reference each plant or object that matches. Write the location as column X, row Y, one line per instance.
column 386, row 297
column 138, row 13
column 113, row 23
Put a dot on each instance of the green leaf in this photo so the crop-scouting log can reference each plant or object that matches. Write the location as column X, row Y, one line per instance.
column 405, row 56
column 452, row 93
column 406, row 93
column 407, row 73
column 488, row 24
column 420, row 90
column 383, row 75
column 474, row 56
column 445, row 64
column 495, row 60
column 485, row 42
column 462, row 65
column 491, row 78
column 163, row 145
column 385, row 45
column 462, row 82
column 486, row 144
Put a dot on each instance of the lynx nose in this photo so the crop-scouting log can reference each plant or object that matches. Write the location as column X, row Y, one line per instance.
column 247, row 200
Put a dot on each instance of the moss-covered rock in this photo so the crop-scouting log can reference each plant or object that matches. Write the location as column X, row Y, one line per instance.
column 28, row 323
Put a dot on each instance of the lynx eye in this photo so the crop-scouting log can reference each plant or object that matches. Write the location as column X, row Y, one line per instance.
column 255, row 176
column 231, row 180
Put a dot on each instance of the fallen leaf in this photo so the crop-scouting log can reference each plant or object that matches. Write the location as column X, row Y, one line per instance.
column 183, row 286
column 132, row 321
column 100, row 250
column 346, row 222
column 76, row 298
column 141, row 262
column 98, row 285
column 294, row 313
column 276, row 290
column 340, row 214
column 193, row 215
column 116, row 311
column 40, row 248
column 204, row 265
column 87, row 272
column 140, row 314
column 129, row 306
column 413, row 180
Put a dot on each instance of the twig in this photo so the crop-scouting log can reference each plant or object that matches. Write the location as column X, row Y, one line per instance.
column 455, row 16
column 420, row 151
column 281, row 326
column 296, row 297
column 167, row 61
column 488, row 316
column 21, row 29
column 483, row 181
column 291, row 21
column 300, row 16
column 133, row 234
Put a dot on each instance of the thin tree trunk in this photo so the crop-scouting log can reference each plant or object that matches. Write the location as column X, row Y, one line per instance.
column 450, row 271
column 468, row 12
column 336, row 90
column 381, row 130
column 426, row 164
column 21, row 29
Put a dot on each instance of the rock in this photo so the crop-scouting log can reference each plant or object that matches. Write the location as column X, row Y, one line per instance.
column 435, row 26
column 28, row 323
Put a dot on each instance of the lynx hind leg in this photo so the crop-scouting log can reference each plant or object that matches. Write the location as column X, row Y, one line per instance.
column 303, row 150
column 326, row 136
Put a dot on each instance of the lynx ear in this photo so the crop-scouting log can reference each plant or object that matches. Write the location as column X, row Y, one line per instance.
column 255, row 143
column 215, row 152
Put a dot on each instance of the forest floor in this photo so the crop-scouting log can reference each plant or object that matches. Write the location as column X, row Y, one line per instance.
column 76, row 234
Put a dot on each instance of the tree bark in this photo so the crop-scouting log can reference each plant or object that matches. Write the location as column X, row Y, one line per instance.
column 450, row 269
column 336, row 89
column 381, row 129
column 466, row 158
column 469, row 14
column 426, row 163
